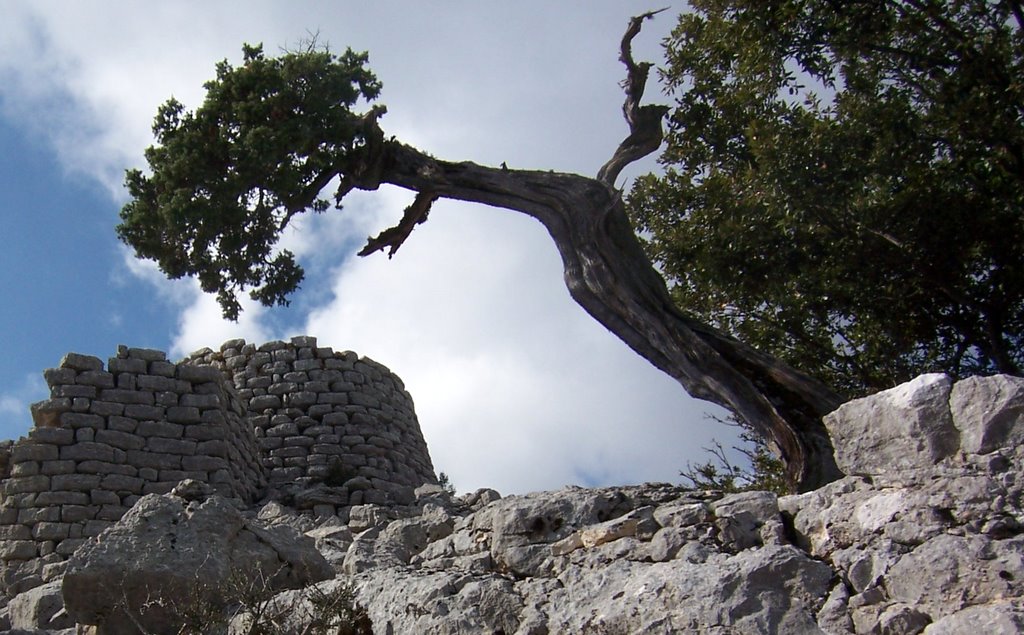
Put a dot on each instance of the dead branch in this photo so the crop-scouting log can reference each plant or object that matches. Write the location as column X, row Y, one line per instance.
column 394, row 237
column 645, row 132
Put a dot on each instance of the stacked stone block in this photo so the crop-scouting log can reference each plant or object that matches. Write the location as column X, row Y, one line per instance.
column 325, row 430
column 109, row 435
column 322, row 416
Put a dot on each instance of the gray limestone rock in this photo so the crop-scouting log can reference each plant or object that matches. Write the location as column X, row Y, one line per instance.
column 164, row 548
column 949, row 573
column 740, row 517
column 920, row 538
column 1003, row 617
column 906, row 427
column 41, row 608
column 988, row 412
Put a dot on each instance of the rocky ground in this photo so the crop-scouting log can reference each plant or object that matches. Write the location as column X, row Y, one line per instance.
column 923, row 536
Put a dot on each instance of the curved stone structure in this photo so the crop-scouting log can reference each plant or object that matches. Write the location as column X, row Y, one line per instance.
column 325, row 416
column 282, row 420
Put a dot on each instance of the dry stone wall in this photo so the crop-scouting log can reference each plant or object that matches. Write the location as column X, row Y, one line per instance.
column 109, row 435
column 290, row 420
column 326, row 416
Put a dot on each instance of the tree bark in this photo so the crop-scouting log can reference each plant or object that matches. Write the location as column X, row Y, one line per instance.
column 610, row 276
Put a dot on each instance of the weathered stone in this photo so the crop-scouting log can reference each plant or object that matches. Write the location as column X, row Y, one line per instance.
column 160, row 429
column 986, row 571
column 156, row 383
column 988, row 412
column 49, row 413
column 87, row 451
column 73, row 391
column 161, row 547
column 62, row 498
column 34, row 452
column 122, row 483
column 162, row 368
column 118, row 439
column 264, row 402
column 18, row 550
column 23, row 484
column 183, row 414
column 97, row 378
column 203, row 463
column 128, row 397
column 906, row 427
column 146, row 354
column 40, row 609
column 119, row 365
column 171, row 446
column 54, row 436
column 158, row 460
column 80, row 362
column 1005, row 617
column 144, row 412
column 50, row 531
column 739, row 518
column 198, row 374
column 75, row 482
column 200, row 401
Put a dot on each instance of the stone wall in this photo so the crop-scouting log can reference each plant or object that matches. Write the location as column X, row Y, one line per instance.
column 321, row 415
column 324, row 430
column 109, row 435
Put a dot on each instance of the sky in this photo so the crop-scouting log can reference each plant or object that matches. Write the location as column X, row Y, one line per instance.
column 516, row 387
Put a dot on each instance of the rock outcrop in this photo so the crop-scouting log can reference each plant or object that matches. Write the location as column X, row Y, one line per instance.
column 924, row 535
column 142, row 571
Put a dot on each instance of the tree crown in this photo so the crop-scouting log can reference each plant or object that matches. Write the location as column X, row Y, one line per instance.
column 226, row 179
column 844, row 183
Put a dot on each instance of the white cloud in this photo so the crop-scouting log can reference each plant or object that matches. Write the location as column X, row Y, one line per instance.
column 200, row 322
column 516, row 387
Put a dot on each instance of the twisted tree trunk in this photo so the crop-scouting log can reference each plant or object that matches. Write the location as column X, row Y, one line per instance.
column 610, row 276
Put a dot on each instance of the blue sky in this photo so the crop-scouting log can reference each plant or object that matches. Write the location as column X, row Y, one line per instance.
column 515, row 386
column 60, row 274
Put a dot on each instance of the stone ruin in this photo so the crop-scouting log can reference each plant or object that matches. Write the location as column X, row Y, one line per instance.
column 291, row 421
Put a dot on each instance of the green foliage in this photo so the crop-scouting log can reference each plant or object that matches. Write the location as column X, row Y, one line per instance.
column 226, row 179
column 766, row 472
column 844, row 183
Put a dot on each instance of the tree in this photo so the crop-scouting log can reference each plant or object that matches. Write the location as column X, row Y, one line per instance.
column 845, row 183
column 272, row 133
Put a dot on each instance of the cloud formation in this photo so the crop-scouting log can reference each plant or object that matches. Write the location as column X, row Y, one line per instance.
column 516, row 387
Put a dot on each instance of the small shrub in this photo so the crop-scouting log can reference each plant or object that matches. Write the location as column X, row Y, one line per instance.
column 446, row 483
column 247, row 602
column 766, row 472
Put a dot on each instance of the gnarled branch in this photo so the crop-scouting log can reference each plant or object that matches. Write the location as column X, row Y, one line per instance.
column 610, row 276
column 645, row 132
column 393, row 238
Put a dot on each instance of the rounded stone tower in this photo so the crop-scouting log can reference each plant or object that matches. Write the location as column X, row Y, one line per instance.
column 329, row 417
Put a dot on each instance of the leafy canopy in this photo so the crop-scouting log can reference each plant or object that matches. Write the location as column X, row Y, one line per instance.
column 844, row 183
column 226, row 179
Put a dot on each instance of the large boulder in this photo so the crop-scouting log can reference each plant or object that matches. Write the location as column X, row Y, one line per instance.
column 906, row 427
column 167, row 554
column 40, row 609
column 988, row 412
